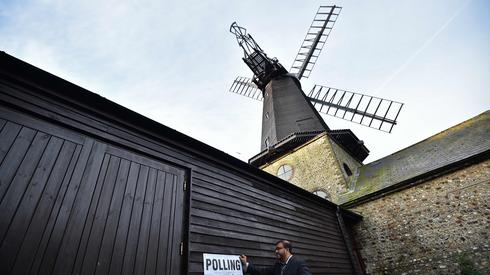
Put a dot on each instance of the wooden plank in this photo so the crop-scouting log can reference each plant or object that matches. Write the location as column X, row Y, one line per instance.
column 79, row 211
column 15, row 190
column 143, row 160
column 256, row 229
column 82, row 121
column 2, row 124
column 96, row 233
column 117, row 258
column 14, row 158
column 23, row 211
column 7, row 137
column 39, row 124
column 253, row 216
column 313, row 217
column 262, row 249
column 178, row 234
column 144, row 237
column 63, row 168
column 274, row 196
column 257, row 185
column 53, row 213
column 162, row 194
column 197, row 238
column 167, row 241
column 329, row 263
column 195, row 268
column 57, row 237
column 327, row 256
column 256, row 218
column 135, row 224
column 166, row 224
column 48, row 108
column 209, row 203
column 258, row 190
column 266, row 239
column 112, row 220
column 87, row 227
column 48, row 112
column 329, row 267
column 261, row 223
column 267, row 261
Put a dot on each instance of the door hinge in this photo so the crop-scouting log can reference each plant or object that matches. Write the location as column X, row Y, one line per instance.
column 185, row 185
column 181, row 248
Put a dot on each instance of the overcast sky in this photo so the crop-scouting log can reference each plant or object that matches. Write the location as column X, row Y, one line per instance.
column 173, row 61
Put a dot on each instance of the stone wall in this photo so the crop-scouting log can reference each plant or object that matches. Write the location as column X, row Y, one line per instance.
column 315, row 167
column 344, row 157
column 437, row 227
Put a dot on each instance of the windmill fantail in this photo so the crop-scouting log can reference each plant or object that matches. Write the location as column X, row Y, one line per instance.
column 263, row 67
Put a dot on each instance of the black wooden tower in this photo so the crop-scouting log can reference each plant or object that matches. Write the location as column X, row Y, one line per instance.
column 287, row 110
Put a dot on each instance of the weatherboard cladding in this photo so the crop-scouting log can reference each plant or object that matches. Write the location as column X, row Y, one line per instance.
column 437, row 153
column 289, row 111
column 89, row 186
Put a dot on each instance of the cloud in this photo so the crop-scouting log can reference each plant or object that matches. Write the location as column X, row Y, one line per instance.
column 174, row 61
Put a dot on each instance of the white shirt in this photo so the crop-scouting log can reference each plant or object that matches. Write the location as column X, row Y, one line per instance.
column 287, row 261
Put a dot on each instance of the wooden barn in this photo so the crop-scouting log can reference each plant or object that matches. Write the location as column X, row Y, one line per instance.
column 90, row 187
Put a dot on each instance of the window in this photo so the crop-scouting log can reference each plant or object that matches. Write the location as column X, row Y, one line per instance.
column 322, row 194
column 285, row 172
column 347, row 170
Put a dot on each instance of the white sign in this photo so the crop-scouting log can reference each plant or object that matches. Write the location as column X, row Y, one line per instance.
column 215, row 264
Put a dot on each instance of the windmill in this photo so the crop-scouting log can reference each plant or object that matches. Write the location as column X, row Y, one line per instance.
column 286, row 108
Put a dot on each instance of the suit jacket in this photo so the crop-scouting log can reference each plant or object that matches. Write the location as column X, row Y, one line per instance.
column 295, row 266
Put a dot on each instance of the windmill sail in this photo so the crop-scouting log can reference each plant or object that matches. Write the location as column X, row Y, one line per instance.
column 244, row 86
column 314, row 41
column 374, row 112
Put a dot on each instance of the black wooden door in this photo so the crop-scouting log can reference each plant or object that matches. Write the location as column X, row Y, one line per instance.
column 72, row 205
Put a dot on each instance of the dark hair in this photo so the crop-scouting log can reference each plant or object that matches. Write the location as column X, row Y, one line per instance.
column 287, row 244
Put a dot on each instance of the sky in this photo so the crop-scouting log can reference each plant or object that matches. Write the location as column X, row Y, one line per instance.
column 174, row 61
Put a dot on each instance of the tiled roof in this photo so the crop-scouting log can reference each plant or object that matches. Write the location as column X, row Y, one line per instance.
column 456, row 144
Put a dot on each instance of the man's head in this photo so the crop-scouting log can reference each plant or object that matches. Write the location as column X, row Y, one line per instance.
column 283, row 250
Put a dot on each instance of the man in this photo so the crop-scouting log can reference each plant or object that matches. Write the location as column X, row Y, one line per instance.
column 287, row 264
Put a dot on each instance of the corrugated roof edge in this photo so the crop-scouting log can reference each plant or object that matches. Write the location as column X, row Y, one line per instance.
column 101, row 107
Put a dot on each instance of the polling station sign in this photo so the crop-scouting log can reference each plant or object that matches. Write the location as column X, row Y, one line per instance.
column 216, row 264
